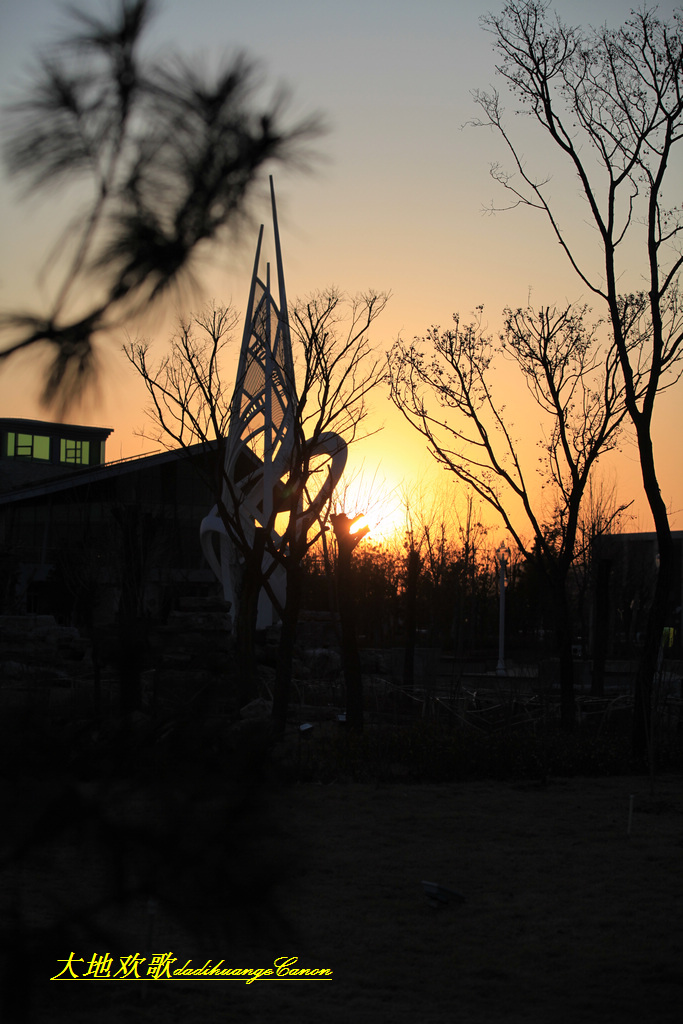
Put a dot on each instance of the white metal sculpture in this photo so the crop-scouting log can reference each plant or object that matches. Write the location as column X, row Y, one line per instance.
column 262, row 448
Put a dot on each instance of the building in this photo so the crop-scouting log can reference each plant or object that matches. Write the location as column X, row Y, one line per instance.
column 625, row 573
column 33, row 450
column 76, row 532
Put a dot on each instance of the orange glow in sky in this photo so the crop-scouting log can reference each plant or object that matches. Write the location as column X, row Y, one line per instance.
column 394, row 203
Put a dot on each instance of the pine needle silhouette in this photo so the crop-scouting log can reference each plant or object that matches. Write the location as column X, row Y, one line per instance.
column 169, row 156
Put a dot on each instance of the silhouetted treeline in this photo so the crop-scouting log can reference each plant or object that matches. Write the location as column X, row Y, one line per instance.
column 456, row 599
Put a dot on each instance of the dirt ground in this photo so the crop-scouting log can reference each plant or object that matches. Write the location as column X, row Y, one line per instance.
column 566, row 916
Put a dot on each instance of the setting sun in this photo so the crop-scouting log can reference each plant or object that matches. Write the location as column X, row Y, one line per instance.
column 379, row 504
column 382, row 524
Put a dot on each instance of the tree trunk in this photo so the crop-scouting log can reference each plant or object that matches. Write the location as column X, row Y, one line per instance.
column 647, row 667
column 346, row 543
column 567, row 700
column 246, row 619
column 283, row 673
column 245, row 649
column 600, row 626
column 649, row 659
column 563, row 648
column 349, row 652
column 412, row 575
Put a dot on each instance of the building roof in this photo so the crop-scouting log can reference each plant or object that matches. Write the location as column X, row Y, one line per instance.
column 86, row 475
column 49, row 429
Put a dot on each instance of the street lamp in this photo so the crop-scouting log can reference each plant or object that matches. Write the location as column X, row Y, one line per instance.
column 503, row 555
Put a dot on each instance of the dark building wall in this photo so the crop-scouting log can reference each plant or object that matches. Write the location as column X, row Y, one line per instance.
column 66, row 548
column 625, row 572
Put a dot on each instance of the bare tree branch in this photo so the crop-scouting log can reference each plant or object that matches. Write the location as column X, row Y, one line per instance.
column 611, row 101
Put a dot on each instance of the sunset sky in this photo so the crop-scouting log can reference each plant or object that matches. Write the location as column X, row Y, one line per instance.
column 393, row 202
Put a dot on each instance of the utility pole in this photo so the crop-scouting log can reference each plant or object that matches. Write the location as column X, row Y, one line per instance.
column 503, row 555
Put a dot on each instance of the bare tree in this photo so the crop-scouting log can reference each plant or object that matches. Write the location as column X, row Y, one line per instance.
column 335, row 370
column 611, row 102
column 189, row 399
column 190, row 405
column 443, row 386
column 168, row 158
column 336, row 366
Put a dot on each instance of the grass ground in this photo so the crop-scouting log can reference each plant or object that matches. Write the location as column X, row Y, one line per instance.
column 566, row 918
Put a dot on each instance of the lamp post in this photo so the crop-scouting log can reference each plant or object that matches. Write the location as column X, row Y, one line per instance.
column 503, row 555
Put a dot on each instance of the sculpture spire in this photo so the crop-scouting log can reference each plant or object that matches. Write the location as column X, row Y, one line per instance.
column 261, row 446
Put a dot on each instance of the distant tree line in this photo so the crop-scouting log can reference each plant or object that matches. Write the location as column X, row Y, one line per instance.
column 449, row 572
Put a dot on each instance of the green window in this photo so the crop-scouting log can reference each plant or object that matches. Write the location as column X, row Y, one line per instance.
column 28, row 446
column 74, row 452
column 41, row 447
